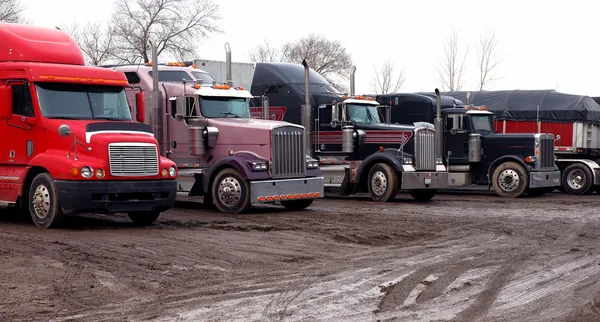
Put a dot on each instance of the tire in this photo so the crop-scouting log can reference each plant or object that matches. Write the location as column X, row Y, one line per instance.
column 230, row 192
column 422, row 195
column 44, row 207
column 577, row 179
column 382, row 182
column 537, row 192
column 297, row 204
column 510, row 180
column 143, row 218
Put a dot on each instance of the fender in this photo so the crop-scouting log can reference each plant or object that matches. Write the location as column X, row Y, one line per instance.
column 58, row 164
column 503, row 159
column 387, row 156
column 239, row 161
column 593, row 165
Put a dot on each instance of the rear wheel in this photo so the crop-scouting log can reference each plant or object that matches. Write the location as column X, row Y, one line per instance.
column 297, row 204
column 577, row 179
column 44, row 207
column 382, row 182
column 422, row 195
column 231, row 192
column 144, row 218
column 510, row 180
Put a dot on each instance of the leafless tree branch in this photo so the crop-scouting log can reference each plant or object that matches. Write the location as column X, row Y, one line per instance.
column 11, row 11
column 387, row 79
column 487, row 60
column 451, row 68
column 177, row 27
column 95, row 39
column 266, row 53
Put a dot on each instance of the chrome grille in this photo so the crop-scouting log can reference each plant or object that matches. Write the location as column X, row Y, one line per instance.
column 424, row 149
column 133, row 159
column 546, row 156
column 288, row 155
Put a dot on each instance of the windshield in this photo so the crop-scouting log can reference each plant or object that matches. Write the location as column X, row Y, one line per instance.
column 82, row 102
column 177, row 76
column 482, row 123
column 214, row 107
column 363, row 113
column 204, row 77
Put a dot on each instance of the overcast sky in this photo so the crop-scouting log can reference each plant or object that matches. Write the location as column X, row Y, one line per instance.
column 544, row 44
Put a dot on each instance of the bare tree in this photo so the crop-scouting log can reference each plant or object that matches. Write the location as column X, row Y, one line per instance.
column 11, row 10
column 177, row 26
column 487, row 60
column 327, row 57
column 451, row 68
column 95, row 39
column 266, row 53
column 387, row 79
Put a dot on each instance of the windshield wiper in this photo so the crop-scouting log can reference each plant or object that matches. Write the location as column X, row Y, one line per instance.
column 230, row 113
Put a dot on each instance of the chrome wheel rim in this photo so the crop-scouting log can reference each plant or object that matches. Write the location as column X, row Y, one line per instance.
column 379, row 183
column 230, row 191
column 41, row 201
column 576, row 179
column 509, row 180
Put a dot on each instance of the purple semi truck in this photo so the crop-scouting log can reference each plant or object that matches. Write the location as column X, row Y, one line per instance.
column 222, row 153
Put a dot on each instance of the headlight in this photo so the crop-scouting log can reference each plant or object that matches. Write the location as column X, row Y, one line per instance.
column 99, row 173
column 259, row 166
column 408, row 160
column 172, row 171
column 87, row 172
column 312, row 164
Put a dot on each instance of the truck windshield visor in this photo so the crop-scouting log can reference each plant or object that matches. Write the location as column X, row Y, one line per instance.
column 363, row 113
column 482, row 123
column 204, row 78
column 82, row 102
column 215, row 107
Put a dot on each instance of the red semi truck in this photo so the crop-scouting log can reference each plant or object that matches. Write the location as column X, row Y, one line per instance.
column 70, row 145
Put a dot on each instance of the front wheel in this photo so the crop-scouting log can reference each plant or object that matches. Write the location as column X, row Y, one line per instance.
column 383, row 182
column 422, row 195
column 510, row 180
column 143, row 218
column 577, row 179
column 231, row 192
column 297, row 204
column 44, row 207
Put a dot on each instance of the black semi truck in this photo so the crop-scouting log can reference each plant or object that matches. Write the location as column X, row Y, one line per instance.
column 356, row 149
column 474, row 153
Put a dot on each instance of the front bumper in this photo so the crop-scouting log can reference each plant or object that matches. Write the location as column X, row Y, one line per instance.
column 544, row 179
column 286, row 189
column 77, row 197
column 424, row 180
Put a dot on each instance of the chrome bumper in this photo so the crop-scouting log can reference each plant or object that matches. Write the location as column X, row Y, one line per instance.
column 286, row 189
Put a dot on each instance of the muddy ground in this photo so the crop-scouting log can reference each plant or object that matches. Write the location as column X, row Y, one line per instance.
column 460, row 257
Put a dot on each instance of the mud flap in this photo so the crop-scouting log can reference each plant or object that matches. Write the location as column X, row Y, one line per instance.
column 348, row 187
column 197, row 189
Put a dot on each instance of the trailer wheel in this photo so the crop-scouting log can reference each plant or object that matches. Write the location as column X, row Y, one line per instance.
column 44, row 206
column 383, row 182
column 231, row 192
column 577, row 179
column 143, row 218
column 422, row 195
column 510, row 180
column 297, row 204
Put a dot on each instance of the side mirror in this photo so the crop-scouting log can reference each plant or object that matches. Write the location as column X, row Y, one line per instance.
column 140, row 113
column 64, row 130
column 387, row 118
column 5, row 102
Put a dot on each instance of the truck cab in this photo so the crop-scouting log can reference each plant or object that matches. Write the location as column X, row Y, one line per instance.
column 71, row 145
column 224, row 155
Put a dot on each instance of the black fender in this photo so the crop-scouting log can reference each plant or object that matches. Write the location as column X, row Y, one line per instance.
column 389, row 156
column 239, row 161
column 502, row 159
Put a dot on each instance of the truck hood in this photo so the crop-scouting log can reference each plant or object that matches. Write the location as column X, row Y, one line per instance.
column 238, row 131
column 248, row 124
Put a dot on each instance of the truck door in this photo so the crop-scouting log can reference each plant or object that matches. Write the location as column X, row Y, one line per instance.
column 326, row 137
column 456, row 138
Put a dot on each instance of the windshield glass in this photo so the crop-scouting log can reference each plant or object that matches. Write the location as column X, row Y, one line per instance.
column 214, row 107
column 363, row 113
column 82, row 102
column 177, row 76
column 204, row 77
column 482, row 123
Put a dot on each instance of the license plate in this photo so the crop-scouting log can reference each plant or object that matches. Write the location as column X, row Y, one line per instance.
column 428, row 178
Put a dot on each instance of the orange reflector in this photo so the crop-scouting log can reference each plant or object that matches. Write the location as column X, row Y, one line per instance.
column 74, row 172
column 297, row 196
column 310, row 195
column 283, row 197
column 261, row 199
column 290, row 196
column 381, row 148
column 528, row 159
column 317, row 194
column 196, row 165
column 269, row 198
column 303, row 195
column 275, row 198
column 193, row 66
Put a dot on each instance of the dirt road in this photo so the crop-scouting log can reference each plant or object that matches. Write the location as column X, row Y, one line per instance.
column 459, row 258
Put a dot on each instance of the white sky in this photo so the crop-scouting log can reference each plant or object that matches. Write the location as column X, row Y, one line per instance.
column 545, row 44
